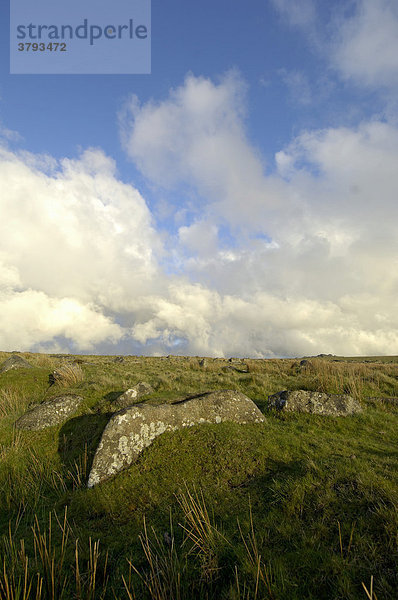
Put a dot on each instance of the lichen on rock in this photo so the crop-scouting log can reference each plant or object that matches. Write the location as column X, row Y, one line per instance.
column 134, row 428
column 337, row 405
column 131, row 395
column 14, row 362
column 50, row 413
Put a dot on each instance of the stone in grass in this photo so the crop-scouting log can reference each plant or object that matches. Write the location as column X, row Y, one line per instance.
column 240, row 367
column 306, row 364
column 132, row 395
column 384, row 399
column 50, row 413
column 133, row 429
column 315, row 402
column 14, row 362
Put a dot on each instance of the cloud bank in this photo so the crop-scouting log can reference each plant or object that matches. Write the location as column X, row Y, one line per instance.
column 315, row 263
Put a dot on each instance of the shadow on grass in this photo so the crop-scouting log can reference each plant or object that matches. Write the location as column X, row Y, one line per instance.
column 79, row 437
column 287, row 474
column 112, row 396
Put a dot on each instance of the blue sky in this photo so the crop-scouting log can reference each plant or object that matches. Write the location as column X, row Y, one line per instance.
column 239, row 200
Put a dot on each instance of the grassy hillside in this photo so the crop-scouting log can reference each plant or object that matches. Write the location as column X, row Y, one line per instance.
column 300, row 507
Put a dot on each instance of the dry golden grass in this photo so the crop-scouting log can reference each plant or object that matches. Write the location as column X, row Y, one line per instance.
column 43, row 361
column 68, row 375
column 12, row 401
column 51, row 580
column 355, row 379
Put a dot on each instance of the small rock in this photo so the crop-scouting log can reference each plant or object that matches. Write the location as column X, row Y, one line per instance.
column 315, row 402
column 49, row 413
column 203, row 363
column 131, row 396
column 118, row 359
column 14, row 362
column 305, row 363
column 133, row 429
column 239, row 367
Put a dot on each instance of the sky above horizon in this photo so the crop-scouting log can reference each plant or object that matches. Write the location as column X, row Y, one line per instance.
column 241, row 200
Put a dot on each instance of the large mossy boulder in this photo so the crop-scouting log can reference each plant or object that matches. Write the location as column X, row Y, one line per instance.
column 335, row 405
column 14, row 362
column 134, row 428
column 50, row 413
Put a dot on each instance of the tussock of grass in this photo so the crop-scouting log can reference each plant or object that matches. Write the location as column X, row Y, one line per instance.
column 68, row 375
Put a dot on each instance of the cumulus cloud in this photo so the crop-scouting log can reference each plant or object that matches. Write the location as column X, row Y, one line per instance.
column 31, row 318
column 292, row 261
column 76, row 247
column 313, row 263
column 197, row 138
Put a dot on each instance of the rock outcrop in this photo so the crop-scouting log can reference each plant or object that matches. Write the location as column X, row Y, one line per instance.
column 315, row 402
column 131, row 396
column 50, row 413
column 14, row 362
column 133, row 429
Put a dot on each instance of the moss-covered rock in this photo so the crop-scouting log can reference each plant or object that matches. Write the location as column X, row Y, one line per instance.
column 133, row 429
column 335, row 405
column 50, row 413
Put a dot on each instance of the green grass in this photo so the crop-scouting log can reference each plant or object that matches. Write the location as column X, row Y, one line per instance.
column 298, row 507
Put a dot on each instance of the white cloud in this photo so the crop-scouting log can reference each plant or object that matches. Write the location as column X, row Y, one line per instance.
column 264, row 325
column 75, row 244
column 359, row 39
column 327, row 246
column 63, row 231
column 30, row 318
column 366, row 45
column 309, row 266
column 200, row 238
column 197, row 137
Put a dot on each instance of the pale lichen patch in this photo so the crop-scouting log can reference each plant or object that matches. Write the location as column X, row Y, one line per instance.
column 129, row 432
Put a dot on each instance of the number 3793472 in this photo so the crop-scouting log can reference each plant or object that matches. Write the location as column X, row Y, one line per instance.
column 42, row 47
